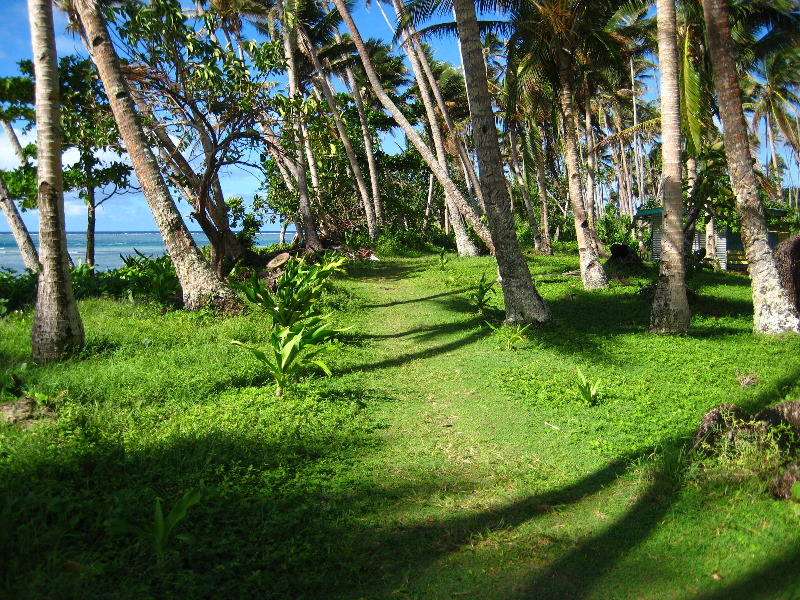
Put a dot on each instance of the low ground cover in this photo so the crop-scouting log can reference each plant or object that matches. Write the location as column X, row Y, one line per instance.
column 437, row 461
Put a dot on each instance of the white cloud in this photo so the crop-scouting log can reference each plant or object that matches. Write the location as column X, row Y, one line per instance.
column 9, row 160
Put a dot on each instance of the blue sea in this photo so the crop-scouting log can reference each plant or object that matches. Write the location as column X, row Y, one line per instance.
column 109, row 247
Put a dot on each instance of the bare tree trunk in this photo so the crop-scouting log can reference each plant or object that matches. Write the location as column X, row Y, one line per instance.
column 670, row 313
column 773, row 311
column 201, row 286
column 57, row 325
column 522, row 301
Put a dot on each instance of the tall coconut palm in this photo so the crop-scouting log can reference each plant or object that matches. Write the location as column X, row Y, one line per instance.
column 773, row 88
column 413, row 136
column 426, row 85
column 773, row 312
column 555, row 37
column 670, row 312
column 201, row 285
column 57, row 325
column 522, row 301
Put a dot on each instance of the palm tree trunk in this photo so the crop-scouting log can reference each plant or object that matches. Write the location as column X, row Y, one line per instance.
column 541, row 184
column 15, row 223
column 441, row 174
column 592, row 273
column 201, row 286
column 773, row 311
column 464, row 244
column 57, row 326
column 369, row 212
column 369, row 147
column 522, row 302
column 18, row 229
column 515, row 167
column 299, row 167
column 670, row 313
column 91, row 221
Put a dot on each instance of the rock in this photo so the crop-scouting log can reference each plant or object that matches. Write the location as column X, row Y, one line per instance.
column 279, row 260
column 723, row 420
column 622, row 252
column 785, row 416
column 781, row 485
column 625, row 260
column 23, row 412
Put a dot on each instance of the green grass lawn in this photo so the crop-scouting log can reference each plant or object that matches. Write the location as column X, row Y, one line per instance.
column 435, row 463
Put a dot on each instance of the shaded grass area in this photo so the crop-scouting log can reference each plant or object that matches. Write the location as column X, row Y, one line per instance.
column 431, row 465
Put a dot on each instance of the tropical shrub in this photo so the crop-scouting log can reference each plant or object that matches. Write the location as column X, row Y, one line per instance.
column 297, row 290
column 292, row 349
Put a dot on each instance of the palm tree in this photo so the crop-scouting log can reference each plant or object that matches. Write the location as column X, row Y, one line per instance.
column 554, row 38
column 201, row 285
column 773, row 312
column 57, row 326
column 670, row 312
column 413, row 136
column 773, row 89
column 522, row 301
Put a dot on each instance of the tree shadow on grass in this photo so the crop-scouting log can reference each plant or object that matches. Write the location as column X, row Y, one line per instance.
column 299, row 513
column 389, row 270
column 415, row 300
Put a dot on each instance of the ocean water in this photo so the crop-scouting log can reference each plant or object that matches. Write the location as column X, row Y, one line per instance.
column 109, row 247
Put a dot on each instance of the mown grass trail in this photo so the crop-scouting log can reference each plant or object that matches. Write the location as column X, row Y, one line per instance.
column 552, row 499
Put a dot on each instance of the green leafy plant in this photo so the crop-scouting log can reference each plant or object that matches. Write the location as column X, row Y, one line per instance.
column 296, row 292
column 480, row 295
column 146, row 276
column 509, row 335
column 158, row 532
column 443, row 260
column 292, row 349
column 587, row 391
column 795, row 498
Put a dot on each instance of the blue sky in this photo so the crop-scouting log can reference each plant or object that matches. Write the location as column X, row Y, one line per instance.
column 130, row 212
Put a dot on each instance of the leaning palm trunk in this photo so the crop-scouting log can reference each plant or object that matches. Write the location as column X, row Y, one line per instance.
column 201, row 286
column 298, row 167
column 592, row 273
column 18, row 229
column 441, row 174
column 670, row 312
column 464, row 244
column 773, row 311
column 522, row 302
column 57, row 326
column 369, row 212
column 15, row 222
column 466, row 163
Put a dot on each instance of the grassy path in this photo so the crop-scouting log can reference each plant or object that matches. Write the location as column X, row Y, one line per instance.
column 493, row 499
